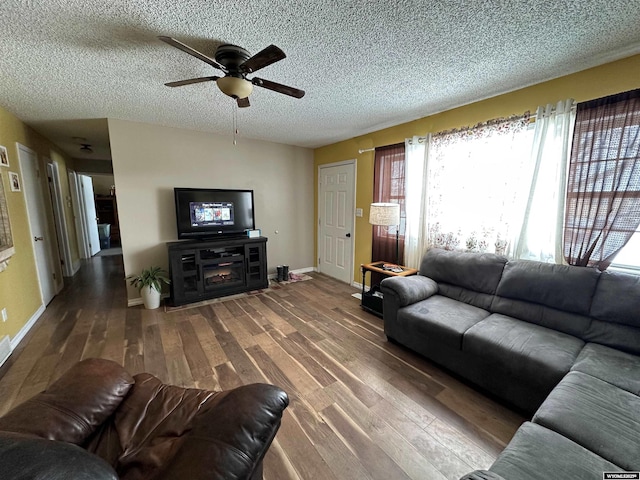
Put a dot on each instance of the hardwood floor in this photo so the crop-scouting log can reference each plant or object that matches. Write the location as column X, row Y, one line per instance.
column 361, row 407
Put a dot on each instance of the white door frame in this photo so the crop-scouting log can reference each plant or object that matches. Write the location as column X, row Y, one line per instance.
column 59, row 217
column 90, row 215
column 352, row 216
column 78, row 213
column 51, row 253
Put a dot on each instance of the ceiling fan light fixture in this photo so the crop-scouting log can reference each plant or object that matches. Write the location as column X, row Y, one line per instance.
column 235, row 87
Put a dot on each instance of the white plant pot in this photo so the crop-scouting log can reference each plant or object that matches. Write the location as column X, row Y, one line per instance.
column 150, row 297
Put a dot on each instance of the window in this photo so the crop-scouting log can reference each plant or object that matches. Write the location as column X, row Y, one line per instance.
column 628, row 258
column 603, row 191
column 474, row 181
column 388, row 187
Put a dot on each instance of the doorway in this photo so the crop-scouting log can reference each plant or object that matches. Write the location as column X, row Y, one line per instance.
column 43, row 241
column 336, row 219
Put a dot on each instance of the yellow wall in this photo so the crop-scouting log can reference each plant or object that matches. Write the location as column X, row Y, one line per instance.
column 19, row 290
column 607, row 79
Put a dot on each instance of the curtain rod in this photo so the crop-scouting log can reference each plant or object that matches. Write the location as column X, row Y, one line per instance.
column 420, row 140
column 362, row 150
column 423, row 139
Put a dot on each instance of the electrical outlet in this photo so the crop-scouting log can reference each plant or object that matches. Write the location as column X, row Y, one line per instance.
column 4, row 314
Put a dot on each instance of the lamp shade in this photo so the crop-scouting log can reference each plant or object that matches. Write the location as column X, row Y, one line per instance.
column 235, row 87
column 384, row 214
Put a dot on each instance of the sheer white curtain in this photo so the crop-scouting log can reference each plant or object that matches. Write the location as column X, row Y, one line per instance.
column 474, row 176
column 540, row 235
column 415, row 234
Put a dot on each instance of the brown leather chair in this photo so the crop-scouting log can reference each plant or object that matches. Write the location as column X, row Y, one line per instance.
column 99, row 422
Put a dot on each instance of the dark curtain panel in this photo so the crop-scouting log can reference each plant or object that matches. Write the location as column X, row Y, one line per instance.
column 388, row 186
column 603, row 191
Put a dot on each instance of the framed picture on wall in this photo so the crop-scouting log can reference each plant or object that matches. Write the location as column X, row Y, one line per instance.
column 4, row 157
column 14, row 180
column 6, row 240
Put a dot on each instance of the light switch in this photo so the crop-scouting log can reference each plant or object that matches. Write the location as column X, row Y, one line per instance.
column 358, row 212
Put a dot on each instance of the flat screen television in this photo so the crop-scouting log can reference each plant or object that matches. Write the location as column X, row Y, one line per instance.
column 204, row 213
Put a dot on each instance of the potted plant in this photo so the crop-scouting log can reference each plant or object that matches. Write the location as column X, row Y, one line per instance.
column 149, row 285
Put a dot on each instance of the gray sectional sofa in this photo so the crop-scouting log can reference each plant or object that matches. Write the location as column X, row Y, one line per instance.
column 559, row 341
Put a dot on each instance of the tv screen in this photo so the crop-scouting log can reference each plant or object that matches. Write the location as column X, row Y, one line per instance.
column 207, row 213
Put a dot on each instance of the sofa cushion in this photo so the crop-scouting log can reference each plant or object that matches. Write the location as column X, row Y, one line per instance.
column 30, row 458
column 536, row 452
column 440, row 319
column 477, row 272
column 597, row 415
column 611, row 365
column 562, row 287
column 565, row 322
column 72, row 407
column 617, row 299
column 615, row 308
column 614, row 335
column 553, row 296
column 533, row 353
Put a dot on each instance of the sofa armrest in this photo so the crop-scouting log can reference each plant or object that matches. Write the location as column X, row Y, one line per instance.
column 231, row 438
column 482, row 475
column 408, row 290
column 72, row 407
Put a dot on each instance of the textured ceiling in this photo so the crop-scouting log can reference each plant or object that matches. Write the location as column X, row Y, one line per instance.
column 364, row 64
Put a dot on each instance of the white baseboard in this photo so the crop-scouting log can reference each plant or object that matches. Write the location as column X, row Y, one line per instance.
column 271, row 276
column 359, row 286
column 5, row 349
column 134, row 302
column 27, row 326
column 75, row 267
column 304, row 270
column 15, row 341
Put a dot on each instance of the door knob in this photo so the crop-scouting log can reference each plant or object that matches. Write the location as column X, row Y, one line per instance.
column 348, row 235
column 38, row 239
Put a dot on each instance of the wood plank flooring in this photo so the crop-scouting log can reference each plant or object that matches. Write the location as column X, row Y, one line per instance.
column 361, row 407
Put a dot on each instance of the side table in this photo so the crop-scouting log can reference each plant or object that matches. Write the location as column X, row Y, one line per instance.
column 372, row 300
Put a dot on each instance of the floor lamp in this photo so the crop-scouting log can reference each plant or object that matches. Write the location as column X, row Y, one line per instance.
column 387, row 215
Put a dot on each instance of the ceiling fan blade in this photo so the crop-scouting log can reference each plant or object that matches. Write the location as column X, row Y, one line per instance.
column 187, row 49
column 180, row 83
column 278, row 87
column 263, row 58
column 243, row 102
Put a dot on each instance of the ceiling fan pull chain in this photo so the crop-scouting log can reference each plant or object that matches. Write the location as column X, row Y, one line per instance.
column 235, row 122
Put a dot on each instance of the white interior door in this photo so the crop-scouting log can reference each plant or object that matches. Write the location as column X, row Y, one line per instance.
column 60, row 218
column 336, row 220
column 42, row 239
column 78, row 215
column 91, row 218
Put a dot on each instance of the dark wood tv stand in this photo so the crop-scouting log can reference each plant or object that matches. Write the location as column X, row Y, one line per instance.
column 201, row 270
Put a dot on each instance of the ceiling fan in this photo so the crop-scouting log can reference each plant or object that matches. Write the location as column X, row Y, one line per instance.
column 236, row 63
